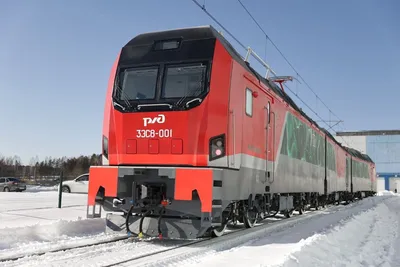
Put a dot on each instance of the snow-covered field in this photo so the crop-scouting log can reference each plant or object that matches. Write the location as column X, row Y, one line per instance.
column 364, row 233
column 31, row 221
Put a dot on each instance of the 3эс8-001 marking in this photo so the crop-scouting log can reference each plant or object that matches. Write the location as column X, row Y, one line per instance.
column 161, row 133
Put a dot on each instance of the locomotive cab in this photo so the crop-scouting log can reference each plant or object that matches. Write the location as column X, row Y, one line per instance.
column 165, row 120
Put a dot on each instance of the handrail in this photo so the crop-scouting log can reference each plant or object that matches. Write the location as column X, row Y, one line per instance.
column 260, row 60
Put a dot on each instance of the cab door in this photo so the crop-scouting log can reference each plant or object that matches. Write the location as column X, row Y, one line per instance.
column 235, row 118
column 269, row 142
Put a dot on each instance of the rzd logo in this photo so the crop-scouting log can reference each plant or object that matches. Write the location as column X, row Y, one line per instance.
column 159, row 119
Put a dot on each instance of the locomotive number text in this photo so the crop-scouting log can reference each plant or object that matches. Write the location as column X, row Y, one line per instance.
column 162, row 133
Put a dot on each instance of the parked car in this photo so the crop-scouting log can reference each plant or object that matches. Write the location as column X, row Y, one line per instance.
column 8, row 184
column 79, row 185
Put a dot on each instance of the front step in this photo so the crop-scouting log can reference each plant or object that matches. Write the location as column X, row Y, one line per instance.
column 91, row 211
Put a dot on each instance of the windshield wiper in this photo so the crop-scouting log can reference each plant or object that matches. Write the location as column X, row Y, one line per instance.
column 190, row 101
column 121, row 106
column 192, row 92
column 123, row 96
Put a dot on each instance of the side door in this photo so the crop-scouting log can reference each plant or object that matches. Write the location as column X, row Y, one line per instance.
column 235, row 119
column 269, row 142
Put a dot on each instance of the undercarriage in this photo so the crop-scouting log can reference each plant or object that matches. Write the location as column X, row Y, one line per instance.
column 188, row 203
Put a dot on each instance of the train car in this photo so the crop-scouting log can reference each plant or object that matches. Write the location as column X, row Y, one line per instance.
column 362, row 173
column 343, row 179
column 194, row 138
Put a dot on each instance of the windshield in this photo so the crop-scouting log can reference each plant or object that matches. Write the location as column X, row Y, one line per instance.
column 184, row 81
column 160, row 87
column 138, row 83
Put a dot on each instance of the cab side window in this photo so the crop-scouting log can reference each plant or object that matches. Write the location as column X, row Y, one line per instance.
column 249, row 102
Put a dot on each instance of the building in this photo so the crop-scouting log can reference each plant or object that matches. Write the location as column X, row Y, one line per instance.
column 383, row 146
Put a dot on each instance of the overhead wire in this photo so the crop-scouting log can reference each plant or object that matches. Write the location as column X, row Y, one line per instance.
column 202, row 7
column 285, row 58
column 244, row 47
column 216, row 21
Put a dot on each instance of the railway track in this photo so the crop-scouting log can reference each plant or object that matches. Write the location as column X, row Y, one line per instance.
column 227, row 241
column 95, row 243
column 157, row 252
column 175, row 247
column 179, row 252
column 113, row 240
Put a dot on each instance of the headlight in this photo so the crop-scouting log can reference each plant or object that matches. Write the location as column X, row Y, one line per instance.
column 217, row 147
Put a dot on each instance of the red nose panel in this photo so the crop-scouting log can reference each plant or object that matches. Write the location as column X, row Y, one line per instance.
column 153, row 146
column 131, row 146
column 176, row 146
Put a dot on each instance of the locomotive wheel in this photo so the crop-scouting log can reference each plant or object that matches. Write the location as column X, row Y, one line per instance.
column 219, row 231
column 250, row 217
column 273, row 214
column 316, row 203
column 301, row 210
column 288, row 213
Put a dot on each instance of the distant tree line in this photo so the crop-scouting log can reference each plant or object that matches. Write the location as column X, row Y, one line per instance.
column 47, row 168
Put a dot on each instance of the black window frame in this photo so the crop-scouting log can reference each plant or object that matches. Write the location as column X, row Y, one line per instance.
column 164, row 77
column 161, row 66
column 245, row 101
column 119, row 78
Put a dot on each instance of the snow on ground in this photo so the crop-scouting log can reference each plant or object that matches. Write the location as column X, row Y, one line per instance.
column 364, row 233
column 386, row 193
column 16, row 208
column 366, row 240
column 31, row 221
column 38, row 188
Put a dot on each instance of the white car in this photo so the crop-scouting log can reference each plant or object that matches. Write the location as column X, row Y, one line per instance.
column 79, row 185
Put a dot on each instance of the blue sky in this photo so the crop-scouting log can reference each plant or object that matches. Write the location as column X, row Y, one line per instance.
column 55, row 59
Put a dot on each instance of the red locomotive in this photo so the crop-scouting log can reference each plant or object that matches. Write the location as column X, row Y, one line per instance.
column 194, row 138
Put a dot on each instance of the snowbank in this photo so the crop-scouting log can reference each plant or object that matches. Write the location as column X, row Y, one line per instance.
column 20, row 209
column 39, row 188
column 366, row 240
column 31, row 222
column 386, row 193
column 61, row 230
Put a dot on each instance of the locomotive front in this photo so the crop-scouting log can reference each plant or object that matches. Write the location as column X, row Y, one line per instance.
column 164, row 135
